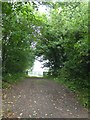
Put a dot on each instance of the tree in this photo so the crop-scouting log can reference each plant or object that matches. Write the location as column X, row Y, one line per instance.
column 19, row 32
column 64, row 39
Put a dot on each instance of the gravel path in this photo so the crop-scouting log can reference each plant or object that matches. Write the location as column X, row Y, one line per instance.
column 41, row 98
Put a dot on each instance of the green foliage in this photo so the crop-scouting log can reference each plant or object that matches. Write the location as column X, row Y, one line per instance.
column 19, row 32
column 60, row 38
column 12, row 78
column 64, row 42
column 64, row 38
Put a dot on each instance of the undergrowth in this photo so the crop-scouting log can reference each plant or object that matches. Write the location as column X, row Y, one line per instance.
column 10, row 79
column 81, row 91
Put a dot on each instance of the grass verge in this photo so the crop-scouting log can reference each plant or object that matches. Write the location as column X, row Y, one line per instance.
column 80, row 90
column 10, row 79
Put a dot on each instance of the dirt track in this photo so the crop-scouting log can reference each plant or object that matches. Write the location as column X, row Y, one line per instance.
column 41, row 98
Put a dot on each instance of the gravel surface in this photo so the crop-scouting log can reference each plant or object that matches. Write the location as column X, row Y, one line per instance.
column 41, row 98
